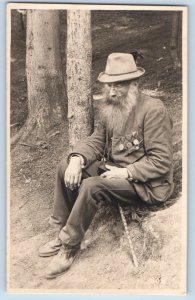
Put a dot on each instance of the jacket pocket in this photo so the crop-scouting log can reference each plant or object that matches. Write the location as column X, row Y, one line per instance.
column 159, row 182
column 162, row 191
column 124, row 147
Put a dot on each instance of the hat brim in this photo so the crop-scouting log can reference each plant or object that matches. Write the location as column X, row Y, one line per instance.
column 106, row 78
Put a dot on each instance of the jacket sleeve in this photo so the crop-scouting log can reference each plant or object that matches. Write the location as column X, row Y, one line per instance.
column 92, row 148
column 158, row 146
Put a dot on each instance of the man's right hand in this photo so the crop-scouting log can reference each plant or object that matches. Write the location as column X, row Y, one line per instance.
column 73, row 173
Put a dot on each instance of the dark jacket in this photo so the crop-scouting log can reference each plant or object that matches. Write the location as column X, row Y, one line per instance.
column 146, row 149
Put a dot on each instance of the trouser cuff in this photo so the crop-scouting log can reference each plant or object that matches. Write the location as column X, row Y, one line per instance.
column 68, row 241
column 56, row 223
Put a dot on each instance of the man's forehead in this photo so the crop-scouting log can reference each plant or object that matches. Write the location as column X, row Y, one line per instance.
column 124, row 83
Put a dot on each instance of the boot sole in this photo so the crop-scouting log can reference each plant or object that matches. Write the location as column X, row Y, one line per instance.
column 57, row 275
column 48, row 254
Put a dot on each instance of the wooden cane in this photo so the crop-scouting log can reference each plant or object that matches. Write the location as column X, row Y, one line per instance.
column 128, row 236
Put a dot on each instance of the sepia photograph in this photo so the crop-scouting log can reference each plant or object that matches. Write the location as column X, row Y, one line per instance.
column 96, row 149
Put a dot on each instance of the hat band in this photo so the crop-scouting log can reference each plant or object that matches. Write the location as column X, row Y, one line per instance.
column 120, row 73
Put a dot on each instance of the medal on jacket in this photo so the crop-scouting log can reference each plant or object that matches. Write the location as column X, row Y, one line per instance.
column 121, row 147
column 129, row 145
column 135, row 142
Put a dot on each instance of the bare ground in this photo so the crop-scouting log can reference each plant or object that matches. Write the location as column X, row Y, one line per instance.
column 104, row 261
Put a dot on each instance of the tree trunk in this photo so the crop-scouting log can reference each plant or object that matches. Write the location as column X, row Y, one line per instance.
column 79, row 57
column 174, row 40
column 46, row 92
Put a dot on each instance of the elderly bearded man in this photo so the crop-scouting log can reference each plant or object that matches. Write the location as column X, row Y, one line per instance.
column 134, row 133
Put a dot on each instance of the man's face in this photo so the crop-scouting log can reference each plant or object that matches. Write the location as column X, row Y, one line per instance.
column 117, row 91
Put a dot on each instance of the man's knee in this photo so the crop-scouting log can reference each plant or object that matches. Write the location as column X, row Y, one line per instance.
column 90, row 190
column 91, row 184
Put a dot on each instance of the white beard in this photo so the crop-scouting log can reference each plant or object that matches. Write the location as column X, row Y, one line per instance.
column 115, row 116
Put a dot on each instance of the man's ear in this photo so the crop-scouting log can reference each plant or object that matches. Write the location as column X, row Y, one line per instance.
column 134, row 83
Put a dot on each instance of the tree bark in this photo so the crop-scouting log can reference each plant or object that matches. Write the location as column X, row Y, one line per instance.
column 174, row 40
column 79, row 60
column 45, row 85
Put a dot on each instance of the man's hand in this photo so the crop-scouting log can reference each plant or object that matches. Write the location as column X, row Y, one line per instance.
column 115, row 173
column 73, row 173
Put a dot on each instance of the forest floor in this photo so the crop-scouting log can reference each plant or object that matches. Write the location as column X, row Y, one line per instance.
column 104, row 263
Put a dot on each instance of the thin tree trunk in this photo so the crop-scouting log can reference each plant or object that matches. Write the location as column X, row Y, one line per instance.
column 174, row 40
column 79, row 57
column 45, row 86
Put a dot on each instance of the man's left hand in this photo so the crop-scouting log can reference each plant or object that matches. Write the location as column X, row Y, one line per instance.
column 115, row 173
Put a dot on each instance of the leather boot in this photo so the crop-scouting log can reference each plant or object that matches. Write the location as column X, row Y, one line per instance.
column 50, row 248
column 62, row 261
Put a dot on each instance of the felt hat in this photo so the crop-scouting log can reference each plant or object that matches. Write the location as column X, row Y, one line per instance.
column 120, row 67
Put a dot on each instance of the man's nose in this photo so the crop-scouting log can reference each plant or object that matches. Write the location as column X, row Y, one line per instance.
column 112, row 91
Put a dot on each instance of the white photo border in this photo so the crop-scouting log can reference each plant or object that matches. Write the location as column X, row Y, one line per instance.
column 185, row 141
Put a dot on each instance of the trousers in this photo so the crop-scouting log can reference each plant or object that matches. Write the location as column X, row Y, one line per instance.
column 74, row 210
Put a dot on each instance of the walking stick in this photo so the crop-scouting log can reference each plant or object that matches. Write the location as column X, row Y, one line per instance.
column 128, row 236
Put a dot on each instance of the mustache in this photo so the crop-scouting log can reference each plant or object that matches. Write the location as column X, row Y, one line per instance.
column 114, row 100
column 114, row 113
column 118, row 100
